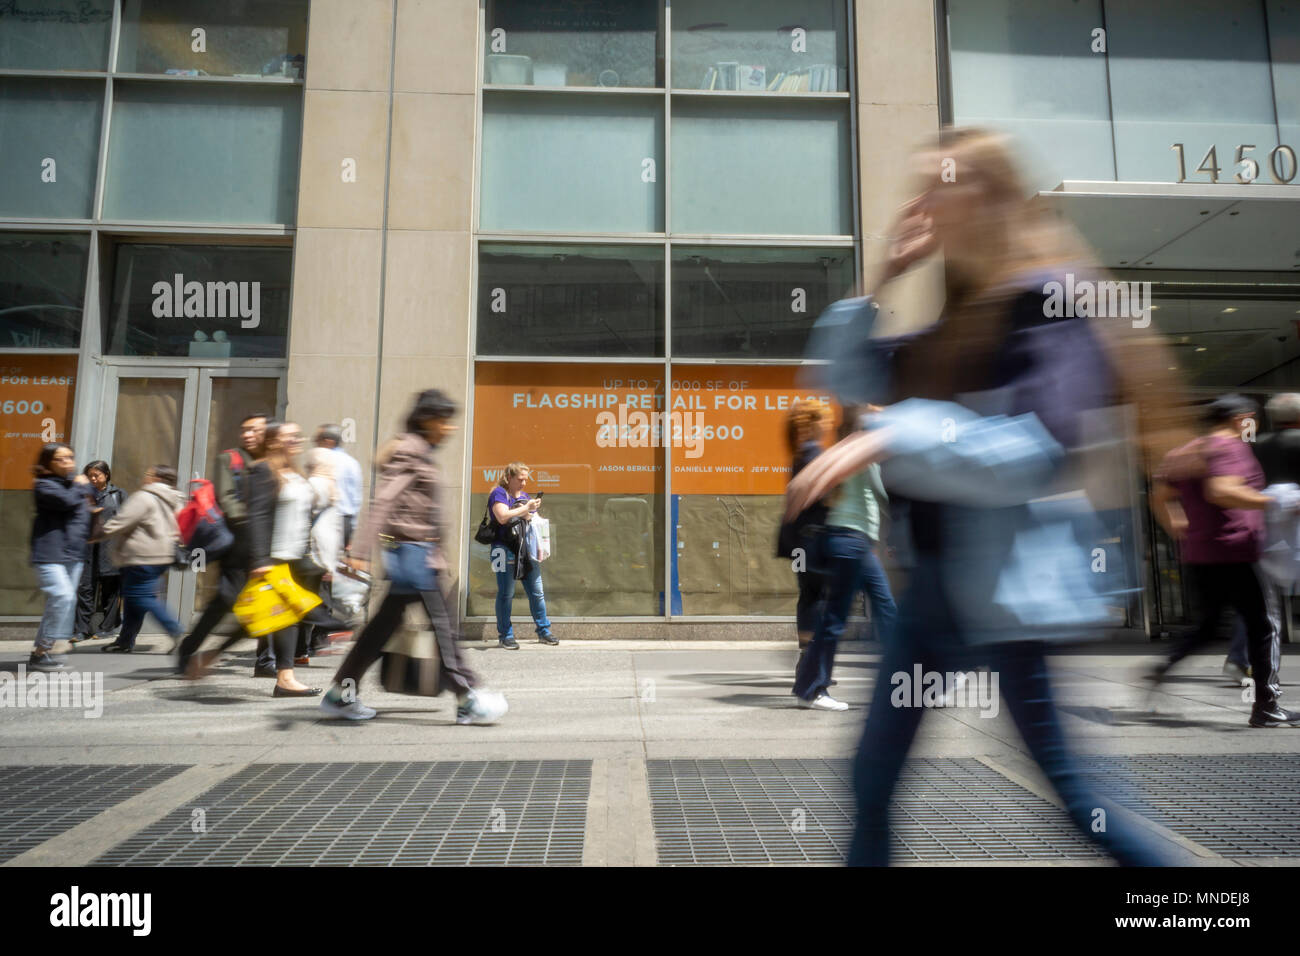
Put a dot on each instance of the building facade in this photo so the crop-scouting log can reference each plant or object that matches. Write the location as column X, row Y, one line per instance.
column 584, row 219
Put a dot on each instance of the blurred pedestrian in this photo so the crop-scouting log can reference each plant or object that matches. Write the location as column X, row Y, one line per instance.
column 981, row 407
column 144, row 537
column 231, row 482
column 1209, row 496
column 849, row 551
column 60, row 530
column 347, row 475
column 405, row 518
column 808, row 427
column 325, row 548
column 99, row 594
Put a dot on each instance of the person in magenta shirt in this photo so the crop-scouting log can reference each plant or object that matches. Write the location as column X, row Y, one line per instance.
column 1208, row 496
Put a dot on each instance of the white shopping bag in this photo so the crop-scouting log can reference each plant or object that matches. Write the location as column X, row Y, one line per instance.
column 541, row 538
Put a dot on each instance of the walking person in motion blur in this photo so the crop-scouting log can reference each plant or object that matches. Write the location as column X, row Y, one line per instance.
column 405, row 519
column 1209, row 497
column 981, row 407
column 808, row 427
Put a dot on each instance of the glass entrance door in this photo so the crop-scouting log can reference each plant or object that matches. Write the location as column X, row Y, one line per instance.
column 186, row 418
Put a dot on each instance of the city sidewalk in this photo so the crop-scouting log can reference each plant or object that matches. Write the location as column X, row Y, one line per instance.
column 644, row 722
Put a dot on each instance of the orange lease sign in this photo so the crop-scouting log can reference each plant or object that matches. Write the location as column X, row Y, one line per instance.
column 557, row 419
column 35, row 407
column 613, row 429
column 741, row 438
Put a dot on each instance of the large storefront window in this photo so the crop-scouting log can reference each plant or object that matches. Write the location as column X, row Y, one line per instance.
column 55, row 34
column 199, row 302
column 701, row 180
column 1144, row 98
column 42, row 288
column 571, row 300
column 754, row 301
column 602, row 474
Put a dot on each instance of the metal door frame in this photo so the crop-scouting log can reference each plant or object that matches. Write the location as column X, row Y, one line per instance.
column 195, row 422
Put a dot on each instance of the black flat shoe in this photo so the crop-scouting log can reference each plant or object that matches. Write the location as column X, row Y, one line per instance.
column 115, row 649
column 305, row 692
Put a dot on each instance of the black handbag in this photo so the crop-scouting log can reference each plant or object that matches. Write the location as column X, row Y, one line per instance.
column 487, row 527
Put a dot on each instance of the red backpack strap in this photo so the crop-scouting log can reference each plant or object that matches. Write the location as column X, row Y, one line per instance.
column 236, row 459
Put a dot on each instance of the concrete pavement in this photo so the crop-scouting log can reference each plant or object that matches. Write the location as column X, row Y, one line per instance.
column 616, row 703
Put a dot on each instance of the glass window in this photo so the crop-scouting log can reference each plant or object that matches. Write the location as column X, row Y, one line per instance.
column 573, row 43
column 574, row 162
column 199, row 301
column 42, row 289
column 588, row 434
column 767, row 168
column 203, row 153
column 571, row 300
column 1027, row 67
column 261, row 38
column 34, row 389
column 55, row 34
column 1284, row 41
column 729, row 479
column 760, row 46
column 1194, row 72
column 753, row 302
column 50, row 135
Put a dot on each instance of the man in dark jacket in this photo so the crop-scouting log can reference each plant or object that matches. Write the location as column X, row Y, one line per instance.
column 233, row 468
column 59, row 534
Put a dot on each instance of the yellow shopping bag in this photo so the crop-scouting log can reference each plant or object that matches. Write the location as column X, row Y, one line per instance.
column 273, row 602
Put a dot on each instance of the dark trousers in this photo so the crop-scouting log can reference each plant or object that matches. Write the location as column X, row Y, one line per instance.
column 98, row 596
column 852, row 566
column 926, row 634
column 812, row 600
column 456, row 676
column 140, row 585
column 1238, row 586
column 232, row 581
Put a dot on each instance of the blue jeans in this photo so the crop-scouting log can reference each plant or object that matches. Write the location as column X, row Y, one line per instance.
column 140, row 586
column 59, row 582
column 501, row 556
column 851, row 566
column 926, row 635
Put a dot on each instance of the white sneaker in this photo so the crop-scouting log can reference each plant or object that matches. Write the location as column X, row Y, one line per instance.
column 482, row 707
column 354, row 710
column 823, row 702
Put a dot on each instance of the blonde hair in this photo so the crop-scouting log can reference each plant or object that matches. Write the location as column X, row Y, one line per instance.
column 1017, row 237
column 512, row 470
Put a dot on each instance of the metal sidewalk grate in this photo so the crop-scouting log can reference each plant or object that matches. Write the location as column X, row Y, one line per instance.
column 801, row 811
column 38, row 803
column 524, row 812
column 1236, row 805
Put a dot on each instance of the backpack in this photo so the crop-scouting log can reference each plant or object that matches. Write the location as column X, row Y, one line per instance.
column 202, row 525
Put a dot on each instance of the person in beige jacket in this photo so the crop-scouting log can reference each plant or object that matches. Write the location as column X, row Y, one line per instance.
column 145, row 535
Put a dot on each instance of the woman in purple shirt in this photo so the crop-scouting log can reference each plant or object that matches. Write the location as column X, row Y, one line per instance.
column 1208, row 498
column 511, row 506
